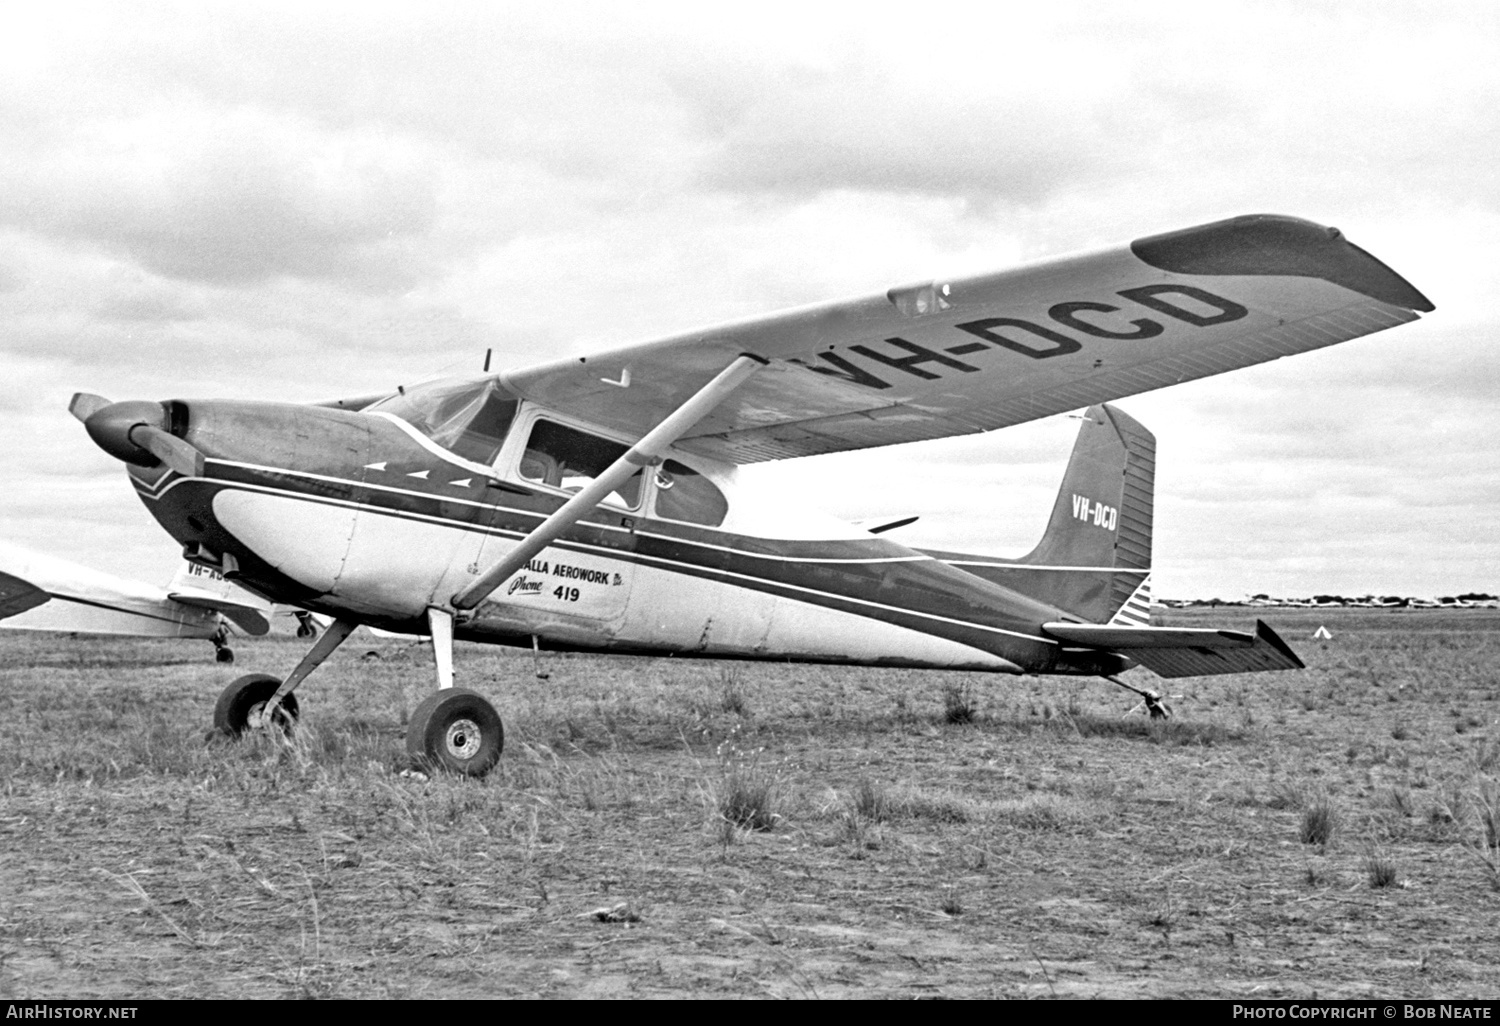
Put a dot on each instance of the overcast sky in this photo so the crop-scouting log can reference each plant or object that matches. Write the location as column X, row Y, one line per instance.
column 302, row 201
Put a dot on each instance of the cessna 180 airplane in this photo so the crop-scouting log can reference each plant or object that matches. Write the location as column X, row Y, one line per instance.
column 593, row 503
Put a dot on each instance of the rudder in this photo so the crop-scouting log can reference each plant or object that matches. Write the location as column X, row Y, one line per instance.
column 1094, row 560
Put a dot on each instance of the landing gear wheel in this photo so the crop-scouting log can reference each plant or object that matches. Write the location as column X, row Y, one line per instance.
column 242, row 705
column 222, row 652
column 1158, row 709
column 458, row 731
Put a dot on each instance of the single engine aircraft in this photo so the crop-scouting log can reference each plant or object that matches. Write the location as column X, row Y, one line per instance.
column 39, row 592
column 593, row 503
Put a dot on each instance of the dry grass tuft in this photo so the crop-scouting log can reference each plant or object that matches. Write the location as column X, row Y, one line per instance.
column 958, row 705
column 732, row 693
column 1380, row 871
column 1046, row 811
column 1485, row 842
column 935, row 806
column 1178, row 732
column 870, row 801
column 1320, row 822
column 750, row 790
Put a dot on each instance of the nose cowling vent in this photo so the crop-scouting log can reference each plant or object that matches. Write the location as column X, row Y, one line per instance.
column 179, row 417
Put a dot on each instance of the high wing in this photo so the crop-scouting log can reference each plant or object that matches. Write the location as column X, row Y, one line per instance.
column 1186, row 651
column 944, row 358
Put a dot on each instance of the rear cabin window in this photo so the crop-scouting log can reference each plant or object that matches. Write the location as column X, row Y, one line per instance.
column 468, row 418
column 684, row 494
column 568, row 459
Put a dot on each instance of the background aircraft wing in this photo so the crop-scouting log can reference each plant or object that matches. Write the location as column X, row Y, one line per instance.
column 44, row 593
column 1186, row 651
column 954, row 357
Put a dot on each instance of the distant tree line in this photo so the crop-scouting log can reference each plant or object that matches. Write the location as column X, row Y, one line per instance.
column 1346, row 600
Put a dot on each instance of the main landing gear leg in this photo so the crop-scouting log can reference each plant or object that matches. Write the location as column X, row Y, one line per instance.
column 1152, row 700
column 259, row 699
column 456, row 729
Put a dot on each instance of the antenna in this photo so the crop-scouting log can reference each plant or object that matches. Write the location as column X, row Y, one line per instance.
column 487, row 353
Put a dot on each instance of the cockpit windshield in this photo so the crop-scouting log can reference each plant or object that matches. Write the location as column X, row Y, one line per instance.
column 468, row 417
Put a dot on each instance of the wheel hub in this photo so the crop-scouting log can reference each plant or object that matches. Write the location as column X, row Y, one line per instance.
column 463, row 739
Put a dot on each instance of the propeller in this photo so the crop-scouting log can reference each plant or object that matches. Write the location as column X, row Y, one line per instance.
column 132, row 431
column 86, row 404
column 170, row 449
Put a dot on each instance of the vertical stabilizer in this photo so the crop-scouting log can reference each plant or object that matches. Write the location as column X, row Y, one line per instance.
column 1094, row 560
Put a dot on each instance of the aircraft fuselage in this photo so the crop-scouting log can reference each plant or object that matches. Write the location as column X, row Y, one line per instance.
column 358, row 515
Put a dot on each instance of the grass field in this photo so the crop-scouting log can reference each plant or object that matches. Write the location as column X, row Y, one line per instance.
column 681, row 828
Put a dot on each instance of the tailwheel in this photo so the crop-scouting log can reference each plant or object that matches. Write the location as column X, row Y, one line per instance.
column 1158, row 709
column 1153, row 701
column 458, row 731
column 242, row 705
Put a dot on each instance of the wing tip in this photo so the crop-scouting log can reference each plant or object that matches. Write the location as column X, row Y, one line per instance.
column 1270, row 637
column 1274, row 244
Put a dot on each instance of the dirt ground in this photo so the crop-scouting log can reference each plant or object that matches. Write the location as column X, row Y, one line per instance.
column 1328, row 833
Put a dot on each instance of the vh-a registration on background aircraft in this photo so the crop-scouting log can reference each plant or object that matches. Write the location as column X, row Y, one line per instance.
column 593, row 503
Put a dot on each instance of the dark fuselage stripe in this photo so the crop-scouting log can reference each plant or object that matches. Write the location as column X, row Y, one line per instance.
column 915, row 618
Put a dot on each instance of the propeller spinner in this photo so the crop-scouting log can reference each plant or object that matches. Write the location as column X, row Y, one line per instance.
column 133, row 431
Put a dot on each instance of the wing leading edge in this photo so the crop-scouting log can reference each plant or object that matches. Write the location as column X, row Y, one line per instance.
column 935, row 359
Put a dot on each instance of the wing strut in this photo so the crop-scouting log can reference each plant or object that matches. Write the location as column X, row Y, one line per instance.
column 647, row 452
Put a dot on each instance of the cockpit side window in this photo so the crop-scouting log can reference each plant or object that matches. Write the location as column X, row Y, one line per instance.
column 469, row 418
column 568, row 459
column 684, row 494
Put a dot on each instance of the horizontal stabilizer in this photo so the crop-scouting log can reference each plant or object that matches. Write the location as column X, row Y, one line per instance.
column 248, row 617
column 18, row 595
column 206, row 588
column 1186, row 651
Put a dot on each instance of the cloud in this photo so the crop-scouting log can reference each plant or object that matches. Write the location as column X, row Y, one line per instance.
column 234, row 197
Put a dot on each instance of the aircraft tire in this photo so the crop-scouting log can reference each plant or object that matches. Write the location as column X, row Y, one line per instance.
column 224, row 655
column 457, row 731
column 242, row 701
